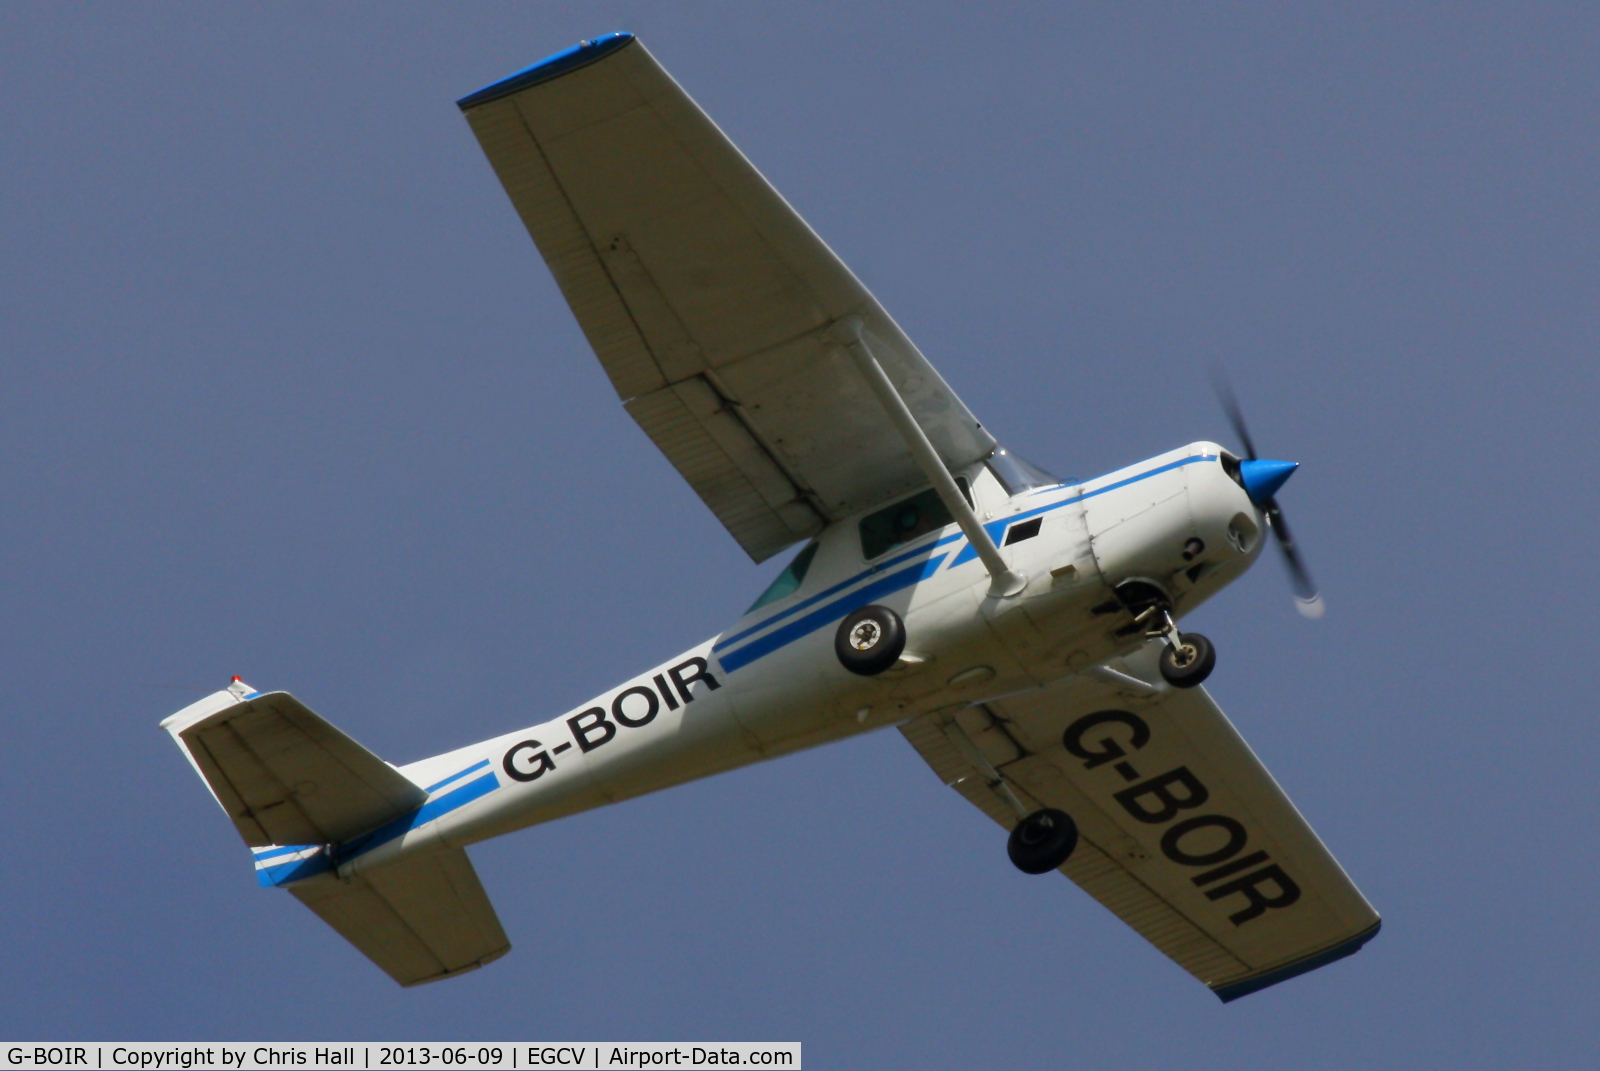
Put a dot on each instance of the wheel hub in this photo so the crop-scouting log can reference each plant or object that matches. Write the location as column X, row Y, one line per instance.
column 1037, row 831
column 865, row 636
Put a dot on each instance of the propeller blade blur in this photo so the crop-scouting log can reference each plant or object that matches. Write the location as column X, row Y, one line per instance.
column 1308, row 599
column 1230, row 406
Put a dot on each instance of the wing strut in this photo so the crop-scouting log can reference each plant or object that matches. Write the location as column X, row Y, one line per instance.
column 1004, row 583
column 969, row 751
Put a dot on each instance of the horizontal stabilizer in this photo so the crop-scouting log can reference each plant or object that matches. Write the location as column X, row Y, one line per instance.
column 420, row 919
column 284, row 775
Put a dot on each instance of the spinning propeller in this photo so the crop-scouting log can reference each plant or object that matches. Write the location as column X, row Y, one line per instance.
column 1261, row 482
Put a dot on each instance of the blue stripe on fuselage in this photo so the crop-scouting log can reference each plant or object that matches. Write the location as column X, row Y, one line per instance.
column 786, row 635
column 293, row 870
column 772, row 641
column 996, row 528
column 428, row 812
column 296, row 869
column 727, row 641
column 437, row 785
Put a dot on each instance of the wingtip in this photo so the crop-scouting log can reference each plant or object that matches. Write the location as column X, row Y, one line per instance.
column 553, row 66
column 1232, row 991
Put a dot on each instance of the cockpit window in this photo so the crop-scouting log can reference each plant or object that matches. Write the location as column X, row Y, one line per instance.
column 1017, row 475
column 789, row 580
column 906, row 520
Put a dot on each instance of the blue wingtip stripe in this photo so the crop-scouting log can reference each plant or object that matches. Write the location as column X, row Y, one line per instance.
column 1234, row 990
column 553, row 66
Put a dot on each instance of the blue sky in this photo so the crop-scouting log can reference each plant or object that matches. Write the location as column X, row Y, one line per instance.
column 289, row 394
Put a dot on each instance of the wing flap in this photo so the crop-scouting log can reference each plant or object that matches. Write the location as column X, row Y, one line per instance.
column 421, row 919
column 725, row 465
column 682, row 264
column 286, row 776
column 1184, row 834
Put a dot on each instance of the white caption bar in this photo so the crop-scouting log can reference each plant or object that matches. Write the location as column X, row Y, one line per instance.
column 382, row 1055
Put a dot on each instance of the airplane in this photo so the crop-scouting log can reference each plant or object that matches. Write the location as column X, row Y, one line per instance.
column 1019, row 631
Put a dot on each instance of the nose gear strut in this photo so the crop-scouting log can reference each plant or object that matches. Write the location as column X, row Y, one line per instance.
column 1188, row 658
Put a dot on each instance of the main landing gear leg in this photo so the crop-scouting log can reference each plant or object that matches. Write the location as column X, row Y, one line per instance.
column 1042, row 840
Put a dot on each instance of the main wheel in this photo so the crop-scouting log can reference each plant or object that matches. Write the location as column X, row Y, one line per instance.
column 869, row 640
column 1042, row 841
column 1190, row 662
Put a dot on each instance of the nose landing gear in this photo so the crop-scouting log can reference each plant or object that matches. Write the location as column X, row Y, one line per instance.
column 1188, row 658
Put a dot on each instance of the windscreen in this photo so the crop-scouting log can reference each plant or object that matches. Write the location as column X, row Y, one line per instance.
column 1018, row 475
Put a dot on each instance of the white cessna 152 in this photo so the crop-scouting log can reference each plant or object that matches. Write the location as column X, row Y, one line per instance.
column 1018, row 630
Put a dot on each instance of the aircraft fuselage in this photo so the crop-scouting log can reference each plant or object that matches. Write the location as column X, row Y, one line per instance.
column 771, row 683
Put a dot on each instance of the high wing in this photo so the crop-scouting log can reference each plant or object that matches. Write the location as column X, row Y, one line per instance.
column 707, row 298
column 1184, row 835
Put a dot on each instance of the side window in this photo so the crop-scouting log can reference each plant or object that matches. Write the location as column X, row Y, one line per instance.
column 1025, row 530
column 907, row 519
column 789, row 580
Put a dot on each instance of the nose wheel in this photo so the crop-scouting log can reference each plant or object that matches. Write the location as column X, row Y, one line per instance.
column 1188, row 657
column 1042, row 841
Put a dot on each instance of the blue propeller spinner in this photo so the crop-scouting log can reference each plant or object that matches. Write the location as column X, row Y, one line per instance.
column 1262, row 479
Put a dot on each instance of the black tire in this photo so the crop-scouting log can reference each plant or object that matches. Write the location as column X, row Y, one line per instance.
column 870, row 640
column 1042, row 841
column 1200, row 658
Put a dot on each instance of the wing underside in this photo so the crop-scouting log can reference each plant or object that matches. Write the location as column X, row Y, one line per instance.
column 707, row 299
column 1183, row 833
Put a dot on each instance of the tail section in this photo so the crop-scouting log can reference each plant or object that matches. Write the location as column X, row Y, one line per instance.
column 304, row 796
column 283, row 774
